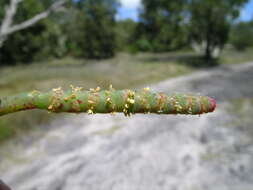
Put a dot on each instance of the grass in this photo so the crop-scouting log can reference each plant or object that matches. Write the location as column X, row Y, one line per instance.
column 123, row 71
column 235, row 57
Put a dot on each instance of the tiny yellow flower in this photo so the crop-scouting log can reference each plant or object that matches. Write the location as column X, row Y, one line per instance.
column 90, row 112
column 131, row 101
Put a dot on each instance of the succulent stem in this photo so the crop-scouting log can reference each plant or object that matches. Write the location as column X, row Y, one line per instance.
column 94, row 101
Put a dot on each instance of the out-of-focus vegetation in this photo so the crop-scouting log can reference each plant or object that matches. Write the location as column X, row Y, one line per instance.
column 241, row 35
column 83, row 29
column 232, row 56
column 25, row 45
column 98, row 40
column 125, row 30
column 89, row 29
column 161, row 27
column 170, row 38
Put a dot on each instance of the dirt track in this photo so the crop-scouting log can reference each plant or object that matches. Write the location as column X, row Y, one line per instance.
column 144, row 152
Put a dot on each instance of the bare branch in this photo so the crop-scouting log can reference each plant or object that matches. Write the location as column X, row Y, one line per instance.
column 10, row 12
column 36, row 18
column 7, row 28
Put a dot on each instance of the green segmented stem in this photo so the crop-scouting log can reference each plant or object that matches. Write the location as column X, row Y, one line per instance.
column 94, row 101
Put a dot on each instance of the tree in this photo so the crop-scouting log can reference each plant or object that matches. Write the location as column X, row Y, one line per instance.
column 99, row 28
column 125, row 30
column 73, row 29
column 161, row 25
column 210, row 22
column 241, row 35
column 24, row 42
column 8, row 25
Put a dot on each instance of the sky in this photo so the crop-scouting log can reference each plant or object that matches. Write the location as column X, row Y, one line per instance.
column 129, row 9
column 247, row 12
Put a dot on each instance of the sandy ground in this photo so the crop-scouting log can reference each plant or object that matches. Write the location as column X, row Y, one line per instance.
column 144, row 152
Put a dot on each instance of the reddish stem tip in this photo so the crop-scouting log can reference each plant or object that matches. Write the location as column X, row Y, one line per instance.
column 213, row 104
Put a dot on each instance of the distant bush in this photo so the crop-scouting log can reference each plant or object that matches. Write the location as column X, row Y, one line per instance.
column 241, row 35
column 98, row 37
column 125, row 30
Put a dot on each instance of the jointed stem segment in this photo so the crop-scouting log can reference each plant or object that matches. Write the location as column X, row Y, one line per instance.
column 93, row 101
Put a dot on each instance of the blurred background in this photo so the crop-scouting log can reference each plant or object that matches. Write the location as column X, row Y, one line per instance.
column 189, row 46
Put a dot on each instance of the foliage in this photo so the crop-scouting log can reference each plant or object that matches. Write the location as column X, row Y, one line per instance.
column 3, row 3
column 161, row 25
column 88, row 29
column 72, row 28
column 241, row 35
column 125, row 30
column 210, row 22
column 98, row 39
column 85, row 29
